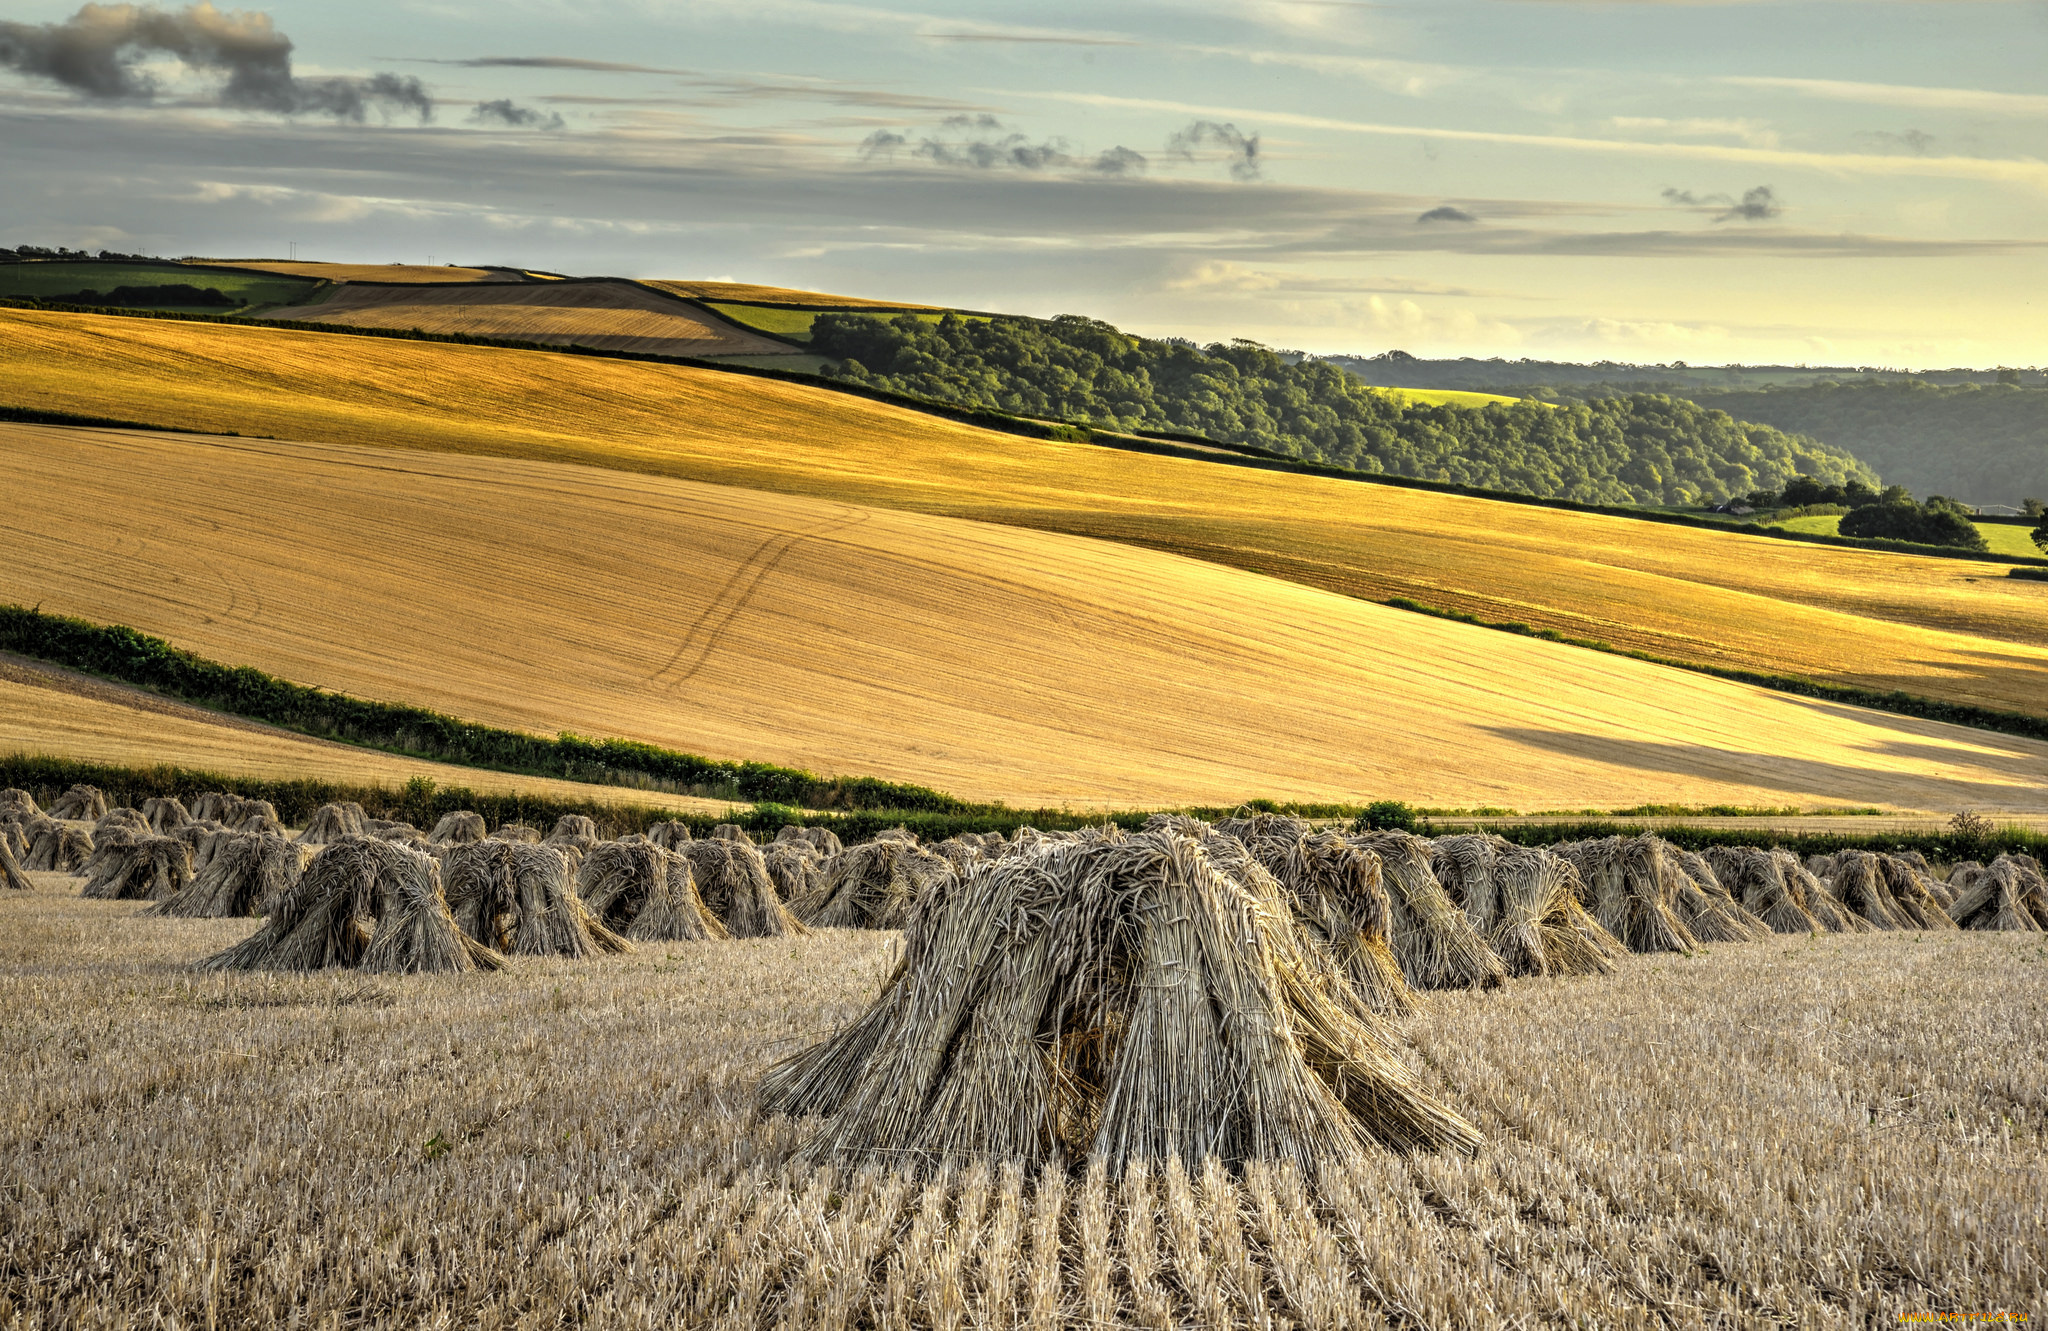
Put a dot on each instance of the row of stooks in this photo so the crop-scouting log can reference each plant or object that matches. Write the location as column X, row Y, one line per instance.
column 1186, row 990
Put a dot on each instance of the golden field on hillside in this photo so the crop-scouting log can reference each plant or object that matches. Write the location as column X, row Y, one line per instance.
column 610, row 316
column 1830, row 1133
column 1947, row 628
column 745, row 292
column 58, row 713
column 985, row 660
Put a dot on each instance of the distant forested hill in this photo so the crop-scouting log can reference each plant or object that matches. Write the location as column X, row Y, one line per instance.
column 1984, row 445
column 1638, row 448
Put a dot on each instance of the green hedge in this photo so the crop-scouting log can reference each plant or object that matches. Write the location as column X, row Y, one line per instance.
column 123, row 654
column 1941, row 847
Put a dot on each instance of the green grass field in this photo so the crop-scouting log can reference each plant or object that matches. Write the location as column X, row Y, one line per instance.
column 1449, row 397
column 2004, row 538
column 43, row 281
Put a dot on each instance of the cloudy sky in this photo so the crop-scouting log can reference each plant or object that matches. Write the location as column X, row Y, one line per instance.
column 1824, row 182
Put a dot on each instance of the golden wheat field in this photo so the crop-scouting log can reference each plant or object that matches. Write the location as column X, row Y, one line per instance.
column 1947, row 628
column 745, row 292
column 989, row 661
column 46, row 711
column 367, row 272
column 611, row 316
column 1813, row 1133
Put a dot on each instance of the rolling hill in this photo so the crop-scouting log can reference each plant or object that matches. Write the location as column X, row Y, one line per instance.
column 611, row 316
column 990, row 661
column 1952, row 629
column 65, row 715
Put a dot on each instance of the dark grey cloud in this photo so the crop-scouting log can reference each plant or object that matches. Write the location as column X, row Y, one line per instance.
column 1756, row 205
column 1915, row 141
column 1120, row 161
column 981, row 143
column 505, row 111
column 1240, row 150
column 1445, row 212
column 98, row 51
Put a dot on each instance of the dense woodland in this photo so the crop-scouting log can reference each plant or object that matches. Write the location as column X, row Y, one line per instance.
column 1629, row 449
column 1982, row 444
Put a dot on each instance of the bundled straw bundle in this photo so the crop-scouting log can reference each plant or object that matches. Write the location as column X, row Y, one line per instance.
column 645, row 893
column 519, row 833
column 11, row 875
column 574, row 825
column 244, row 872
column 1820, row 900
column 460, row 828
column 1918, row 901
column 258, row 816
column 731, row 832
column 732, row 880
column 149, row 868
column 18, row 800
column 1756, row 878
column 823, row 839
column 1432, row 938
column 794, row 868
column 1525, row 903
column 519, row 898
column 1633, row 893
column 331, row 822
column 962, row 852
column 1335, row 892
column 2009, row 894
column 1859, row 884
column 164, row 815
column 1707, row 905
column 1111, row 999
column 129, row 821
column 670, row 835
column 363, row 903
column 55, row 847
column 873, row 885
column 80, row 803
column 201, row 840
column 14, row 835
column 215, row 806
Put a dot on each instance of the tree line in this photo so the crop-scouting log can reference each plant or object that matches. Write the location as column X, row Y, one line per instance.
column 1633, row 448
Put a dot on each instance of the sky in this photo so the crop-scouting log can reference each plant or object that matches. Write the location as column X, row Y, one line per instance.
column 1826, row 183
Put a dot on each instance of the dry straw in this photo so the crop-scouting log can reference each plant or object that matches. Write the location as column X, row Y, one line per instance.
column 331, row 822
column 1859, row 884
column 55, row 847
column 2009, row 894
column 1915, row 891
column 1107, row 999
column 670, row 835
column 164, row 815
column 1631, row 891
column 519, row 898
column 11, row 875
column 518, row 833
column 363, row 903
column 1756, row 878
column 18, row 800
column 731, row 832
column 1709, row 906
column 873, row 885
column 460, row 828
column 732, row 880
column 645, row 893
column 149, row 868
column 794, row 868
column 1814, row 892
column 80, row 803
column 1432, row 938
column 244, row 872
column 1338, row 899
column 117, row 822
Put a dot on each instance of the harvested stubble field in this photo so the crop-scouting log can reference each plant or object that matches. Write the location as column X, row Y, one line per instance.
column 1799, row 1133
column 1945, row 628
column 46, row 711
column 747, row 293
column 611, row 316
column 984, row 660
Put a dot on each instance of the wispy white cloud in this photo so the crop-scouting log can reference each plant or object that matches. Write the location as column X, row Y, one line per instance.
column 2005, row 170
column 1979, row 100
